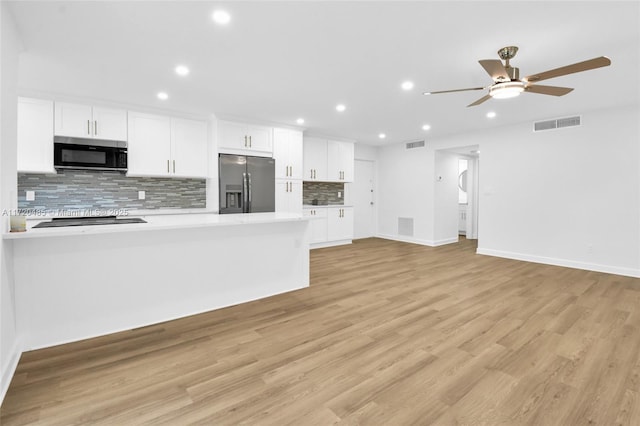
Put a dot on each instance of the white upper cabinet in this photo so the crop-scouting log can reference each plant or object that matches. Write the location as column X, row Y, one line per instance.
column 242, row 138
column 167, row 147
column 85, row 121
column 340, row 161
column 190, row 153
column 109, row 124
column 35, row 136
column 287, row 151
column 329, row 161
column 149, row 148
column 315, row 159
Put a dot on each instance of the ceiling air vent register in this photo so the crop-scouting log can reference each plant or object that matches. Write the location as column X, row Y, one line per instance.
column 418, row 144
column 557, row 123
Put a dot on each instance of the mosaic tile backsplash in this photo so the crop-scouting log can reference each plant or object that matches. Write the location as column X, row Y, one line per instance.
column 324, row 192
column 102, row 190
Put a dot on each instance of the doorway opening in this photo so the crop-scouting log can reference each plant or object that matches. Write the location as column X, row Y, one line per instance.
column 468, row 190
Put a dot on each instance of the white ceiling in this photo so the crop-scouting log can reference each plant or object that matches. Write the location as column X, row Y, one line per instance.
column 277, row 61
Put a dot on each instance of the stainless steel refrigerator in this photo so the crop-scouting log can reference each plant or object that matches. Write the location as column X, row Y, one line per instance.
column 247, row 184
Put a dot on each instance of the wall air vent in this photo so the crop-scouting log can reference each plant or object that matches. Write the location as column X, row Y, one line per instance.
column 417, row 144
column 405, row 226
column 556, row 124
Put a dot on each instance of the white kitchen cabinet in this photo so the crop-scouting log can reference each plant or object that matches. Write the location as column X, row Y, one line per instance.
column 86, row 121
column 167, row 147
column 318, row 223
column 35, row 136
column 189, row 148
column 315, row 159
column 236, row 138
column 339, row 223
column 340, row 161
column 289, row 196
column 287, row 151
column 149, row 148
column 327, row 160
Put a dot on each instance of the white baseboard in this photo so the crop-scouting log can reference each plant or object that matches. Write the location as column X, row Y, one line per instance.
column 330, row 244
column 429, row 243
column 629, row 272
column 9, row 369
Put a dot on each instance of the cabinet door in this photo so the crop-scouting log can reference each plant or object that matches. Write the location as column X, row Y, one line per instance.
column 288, row 196
column 318, row 224
column 189, row 148
column 260, row 138
column 340, row 223
column 281, row 143
column 315, row 159
column 149, row 145
column 232, row 135
column 73, row 120
column 295, row 154
column 35, row 136
column 282, row 195
column 348, row 162
column 295, row 196
column 109, row 124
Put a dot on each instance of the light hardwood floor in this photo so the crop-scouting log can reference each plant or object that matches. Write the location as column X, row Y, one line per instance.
column 388, row 334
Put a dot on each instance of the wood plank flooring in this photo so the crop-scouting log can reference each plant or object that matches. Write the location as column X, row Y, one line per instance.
column 388, row 334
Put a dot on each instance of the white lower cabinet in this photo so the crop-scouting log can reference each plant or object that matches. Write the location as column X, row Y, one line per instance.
column 289, row 196
column 318, row 223
column 331, row 225
column 340, row 223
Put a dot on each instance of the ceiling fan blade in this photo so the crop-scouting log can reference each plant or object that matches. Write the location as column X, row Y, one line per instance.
column 548, row 90
column 590, row 64
column 495, row 69
column 452, row 91
column 481, row 100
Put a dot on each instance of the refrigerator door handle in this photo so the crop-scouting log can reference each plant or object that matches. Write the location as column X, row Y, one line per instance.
column 249, row 193
column 245, row 192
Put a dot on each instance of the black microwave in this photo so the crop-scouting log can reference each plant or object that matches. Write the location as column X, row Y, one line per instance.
column 76, row 153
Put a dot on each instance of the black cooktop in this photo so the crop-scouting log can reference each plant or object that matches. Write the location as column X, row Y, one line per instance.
column 88, row 220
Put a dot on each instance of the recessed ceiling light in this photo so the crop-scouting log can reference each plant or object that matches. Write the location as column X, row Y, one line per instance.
column 182, row 70
column 300, row 121
column 221, row 17
column 163, row 96
column 426, row 127
column 491, row 114
column 340, row 107
column 407, row 85
column 382, row 136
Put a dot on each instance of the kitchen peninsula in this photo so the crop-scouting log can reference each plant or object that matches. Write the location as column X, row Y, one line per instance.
column 75, row 283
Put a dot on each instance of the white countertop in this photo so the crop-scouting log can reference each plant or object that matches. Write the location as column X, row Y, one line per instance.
column 155, row 222
column 314, row 206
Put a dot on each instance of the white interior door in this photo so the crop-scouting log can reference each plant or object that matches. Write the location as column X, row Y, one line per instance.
column 363, row 196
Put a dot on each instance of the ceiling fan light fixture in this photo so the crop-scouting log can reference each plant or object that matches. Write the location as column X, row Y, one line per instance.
column 507, row 90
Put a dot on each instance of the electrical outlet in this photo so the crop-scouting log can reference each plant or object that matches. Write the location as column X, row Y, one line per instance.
column 141, row 195
column 30, row 195
column 339, row 194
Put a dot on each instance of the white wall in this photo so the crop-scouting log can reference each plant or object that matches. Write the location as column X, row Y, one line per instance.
column 406, row 189
column 568, row 197
column 366, row 152
column 9, row 50
column 446, row 198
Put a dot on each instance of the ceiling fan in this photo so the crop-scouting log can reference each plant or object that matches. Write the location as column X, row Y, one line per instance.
column 508, row 84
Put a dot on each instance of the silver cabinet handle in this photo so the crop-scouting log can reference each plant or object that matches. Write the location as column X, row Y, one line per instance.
column 314, row 174
column 95, row 128
column 245, row 141
column 167, row 166
column 311, row 174
column 174, row 166
column 249, row 141
column 88, row 127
